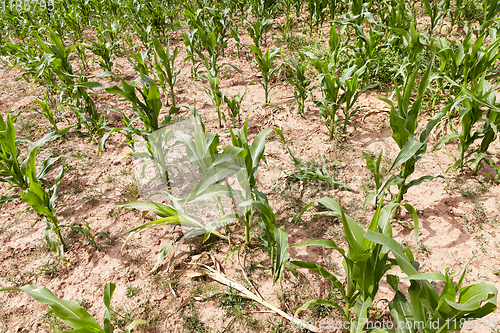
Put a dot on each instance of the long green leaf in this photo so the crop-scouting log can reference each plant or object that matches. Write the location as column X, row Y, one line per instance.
column 70, row 312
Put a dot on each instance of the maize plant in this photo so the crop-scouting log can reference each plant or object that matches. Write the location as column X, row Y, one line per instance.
column 469, row 104
column 164, row 65
column 47, row 110
column 404, row 124
column 317, row 14
column 147, row 110
column 333, row 99
column 213, row 167
column 365, row 262
column 491, row 8
column 13, row 172
column 73, row 314
column 337, row 47
column 210, row 28
column 394, row 15
column 275, row 239
column 297, row 75
column 430, row 311
column 251, row 155
column 267, row 66
column 140, row 61
column 58, row 55
column 464, row 62
column 366, row 47
column 234, row 106
column 258, row 30
column 215, row 93
column 105, row 51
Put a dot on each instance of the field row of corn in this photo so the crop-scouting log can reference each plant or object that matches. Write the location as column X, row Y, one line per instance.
column 70, row 50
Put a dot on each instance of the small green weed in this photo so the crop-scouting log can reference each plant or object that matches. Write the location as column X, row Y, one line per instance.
column 92, row 199
column 55, row 324
column 130, row 192
column 84, row 303
column 233, row 303
column 479, row 213
column 50, row 268
column 424, row 249
column 132, row 291
column 471, row 189
column 191, row 322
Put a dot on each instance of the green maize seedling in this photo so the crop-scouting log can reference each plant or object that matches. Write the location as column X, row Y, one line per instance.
column 105, row 52
column 252, row 154
column 62, row 65
column 365, row 263
column 331, row 87
column 430, row 311
column 258, row 30
column 11, row 171
column 46, row 110
column 394, row 16
column 469, row 103
column 317, row 14
column 164, row 65
column 331, row 102
column 275, row 239
column 267, row 67
column 215, row 94
column 89, row 237
column 234, row 105
column 404, row 125
column 73, row 314
column 235, row 33
column 147, row 110
column 296, row 70
column 139, row 61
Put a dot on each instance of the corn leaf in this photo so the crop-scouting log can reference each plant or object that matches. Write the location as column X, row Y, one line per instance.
column 70, row 312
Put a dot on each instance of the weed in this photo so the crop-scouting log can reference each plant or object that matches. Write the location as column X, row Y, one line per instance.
column 231, row 302
column 424, row 249
column 479, row 213
column 23, row 278
column 110, row 179
column 122, row 317
column 130, row 192
column 84, row 303
column 54, row 322
column 92, row 199
column 50, row 268
column 313, row 171
column 115, row 212
column 191, row 322
column 305, row 44
column 281, row 326
column 132, row 291
column 471, row 190
column 389, row 62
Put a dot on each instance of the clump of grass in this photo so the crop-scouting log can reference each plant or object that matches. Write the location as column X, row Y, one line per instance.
column 50, row 268
column 132, row 291
column 55, row 324
column 130, row 192
column 472, row 189
column 191, row 322
column 389, row 62
column 479, row 213
column 84, row 303
column 231, row 302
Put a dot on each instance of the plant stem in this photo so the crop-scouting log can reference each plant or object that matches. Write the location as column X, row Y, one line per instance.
column 58, row 233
